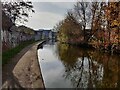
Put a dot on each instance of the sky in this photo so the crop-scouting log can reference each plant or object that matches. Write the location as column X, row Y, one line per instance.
column 48, row 14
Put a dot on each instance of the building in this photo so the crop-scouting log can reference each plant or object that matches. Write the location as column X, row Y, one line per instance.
column 12, row 35
column 44, row 34
column 38, row 35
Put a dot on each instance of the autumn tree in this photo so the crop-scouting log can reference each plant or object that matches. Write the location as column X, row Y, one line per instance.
column 69, row 31
column 98, row 23
column 57, row 26
column 112, row 16
column 105, row 26
column 103, row 18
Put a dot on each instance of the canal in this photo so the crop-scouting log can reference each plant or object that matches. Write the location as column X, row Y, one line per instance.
column 66, row 66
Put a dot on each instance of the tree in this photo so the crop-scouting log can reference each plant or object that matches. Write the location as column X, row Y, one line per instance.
column 112, row 17
column 94, row 8
column 69, row 30
column 17, row 10
column 82, row 15
column 102, row 17
column 98, row 22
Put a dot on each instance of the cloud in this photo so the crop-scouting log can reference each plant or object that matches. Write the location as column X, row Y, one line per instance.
column 47, row 14
column 53, row 7
column 44, row 20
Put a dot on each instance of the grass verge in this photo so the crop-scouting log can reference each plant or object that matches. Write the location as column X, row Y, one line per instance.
column 9, row 54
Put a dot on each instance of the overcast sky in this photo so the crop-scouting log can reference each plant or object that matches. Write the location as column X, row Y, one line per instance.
column 47, row 14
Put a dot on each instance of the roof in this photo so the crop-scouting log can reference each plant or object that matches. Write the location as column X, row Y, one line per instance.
column 45, row 30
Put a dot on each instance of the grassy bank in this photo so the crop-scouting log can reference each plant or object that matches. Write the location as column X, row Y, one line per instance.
column 7, row 55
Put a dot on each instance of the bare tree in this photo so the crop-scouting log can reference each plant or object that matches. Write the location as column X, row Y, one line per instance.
column 82, row 15
column 94, row 8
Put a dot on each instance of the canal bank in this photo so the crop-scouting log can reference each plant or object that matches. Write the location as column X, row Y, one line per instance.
column 23, row 70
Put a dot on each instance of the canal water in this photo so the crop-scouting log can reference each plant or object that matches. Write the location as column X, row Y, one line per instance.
column 66, row 66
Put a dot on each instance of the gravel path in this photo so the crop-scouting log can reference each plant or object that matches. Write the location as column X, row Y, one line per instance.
column 23, row 70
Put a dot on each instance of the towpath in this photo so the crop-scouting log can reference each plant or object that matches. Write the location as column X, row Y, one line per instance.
column 23, row 70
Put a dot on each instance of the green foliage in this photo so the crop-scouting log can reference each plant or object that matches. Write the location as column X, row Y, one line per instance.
column 7, row 55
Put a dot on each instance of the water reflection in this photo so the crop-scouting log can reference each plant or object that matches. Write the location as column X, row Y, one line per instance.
column 78, row 68
column 88, row 68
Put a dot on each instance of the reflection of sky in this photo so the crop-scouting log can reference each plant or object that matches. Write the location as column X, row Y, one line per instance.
column 52, row 69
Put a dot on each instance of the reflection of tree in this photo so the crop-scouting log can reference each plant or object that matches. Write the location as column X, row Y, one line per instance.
column 85, row 68
column 118, row 84
column 67, row 54
column 110, row 64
